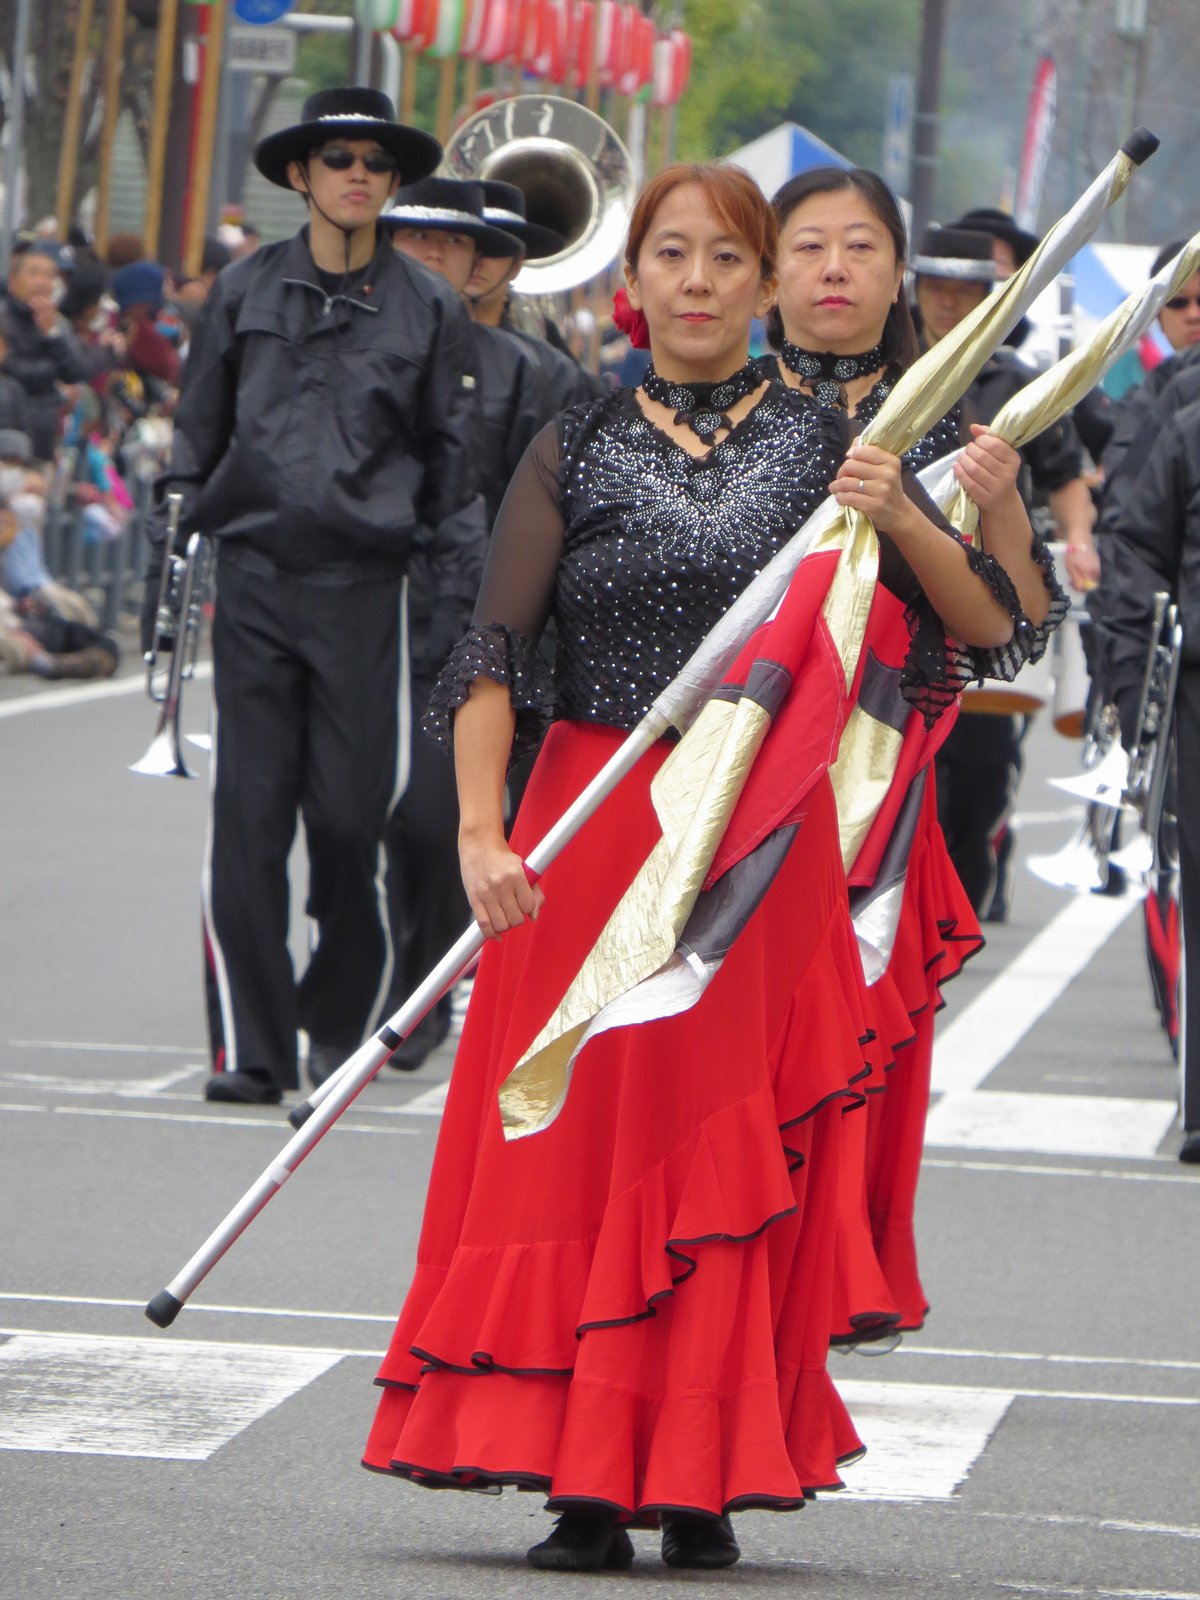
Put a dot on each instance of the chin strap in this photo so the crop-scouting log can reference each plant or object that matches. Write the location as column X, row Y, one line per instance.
column 346, row 233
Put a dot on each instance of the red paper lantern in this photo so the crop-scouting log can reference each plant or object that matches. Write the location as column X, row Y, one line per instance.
column 616, row 35
column 474, row 27
column 582, row 50
column 554, row 40
column 639, row 57
column 410, row 25
column 672, row 67
column 498, row 37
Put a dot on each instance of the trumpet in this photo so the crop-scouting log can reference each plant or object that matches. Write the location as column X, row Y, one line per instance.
column 171, row 658
column 1113, row 781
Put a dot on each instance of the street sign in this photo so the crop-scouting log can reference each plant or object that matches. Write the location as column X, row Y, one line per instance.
column 897, row 132
column 259, row 13
column 268, row 50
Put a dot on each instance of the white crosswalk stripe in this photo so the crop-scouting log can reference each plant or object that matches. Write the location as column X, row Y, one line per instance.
column 176, row 1401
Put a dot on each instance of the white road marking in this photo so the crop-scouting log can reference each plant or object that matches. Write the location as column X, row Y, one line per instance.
column 125, row 1088
column 86, row 1046
column 945, row 1353
column 430, row 1103
column 921, row 1440
column 220, row 1120
column 138, row 1397
column 64, row 699
column 985, row 1032
column 1050, row 1124
column 1174, row 1173
column 198, row 1305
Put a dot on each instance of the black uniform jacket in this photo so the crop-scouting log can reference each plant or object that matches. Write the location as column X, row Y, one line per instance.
column 1158, row 549
column 321, row 430
column 1054, row 458
column 515, row 401
column 1135, row 426
column 40, row 362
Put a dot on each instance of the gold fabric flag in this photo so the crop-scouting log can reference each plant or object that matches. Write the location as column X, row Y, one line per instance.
column 696, row 790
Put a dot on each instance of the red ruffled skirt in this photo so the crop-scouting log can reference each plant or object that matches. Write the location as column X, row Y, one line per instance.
column 633, row 1306
column 877, row 1285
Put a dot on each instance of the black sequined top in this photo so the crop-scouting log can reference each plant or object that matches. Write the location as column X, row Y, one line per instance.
column 638, row 547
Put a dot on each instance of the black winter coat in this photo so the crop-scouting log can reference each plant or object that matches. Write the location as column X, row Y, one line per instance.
column 1158, row 549
column 40, row 362
column 322, row 431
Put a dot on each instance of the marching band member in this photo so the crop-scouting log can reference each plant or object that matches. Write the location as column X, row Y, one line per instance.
column 439, row 222
column 980, row 765
column 322, row 420
column 630, row 1309
column 1158, row 548
column 489, row 293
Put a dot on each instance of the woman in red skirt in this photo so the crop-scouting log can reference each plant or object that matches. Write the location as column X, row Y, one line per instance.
column 843, row 339
column 629, row 1311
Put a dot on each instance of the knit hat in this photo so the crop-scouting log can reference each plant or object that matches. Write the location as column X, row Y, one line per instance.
column 141, row 284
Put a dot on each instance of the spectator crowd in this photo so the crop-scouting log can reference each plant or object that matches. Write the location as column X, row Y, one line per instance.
column 91, row 350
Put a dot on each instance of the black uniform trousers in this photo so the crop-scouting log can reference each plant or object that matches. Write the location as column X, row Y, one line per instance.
column 306, row 685
column 427, row 905
column 1187, row 740
column 977, row 768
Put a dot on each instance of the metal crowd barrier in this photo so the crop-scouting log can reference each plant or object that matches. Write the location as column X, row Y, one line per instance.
column 108, row 571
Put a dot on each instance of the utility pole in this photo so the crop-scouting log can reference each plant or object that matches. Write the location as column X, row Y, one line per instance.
column 927, row 121
column 15, row 130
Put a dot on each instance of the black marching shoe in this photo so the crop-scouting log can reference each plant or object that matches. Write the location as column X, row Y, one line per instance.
column 1190, row 1150
column 324, row 1060
column 586, row 1539
column 692, row 1540
column 243, row 1089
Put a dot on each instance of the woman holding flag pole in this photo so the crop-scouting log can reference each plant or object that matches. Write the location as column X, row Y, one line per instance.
column 843, row 335
column 629, row 1308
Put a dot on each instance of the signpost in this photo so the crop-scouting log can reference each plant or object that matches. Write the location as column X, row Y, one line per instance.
column 262, row 49
column 261, row 13
column 897, row 133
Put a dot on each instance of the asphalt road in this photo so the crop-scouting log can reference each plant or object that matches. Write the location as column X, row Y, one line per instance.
column 1039, row 1437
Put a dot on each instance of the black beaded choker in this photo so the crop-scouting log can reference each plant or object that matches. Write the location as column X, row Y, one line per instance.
column 703, row 406
column 826, row 373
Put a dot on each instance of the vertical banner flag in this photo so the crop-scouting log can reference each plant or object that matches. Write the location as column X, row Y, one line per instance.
column 1035, row 151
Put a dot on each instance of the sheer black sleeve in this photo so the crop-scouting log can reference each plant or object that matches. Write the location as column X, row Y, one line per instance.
column 514, row 604
column 937, row 668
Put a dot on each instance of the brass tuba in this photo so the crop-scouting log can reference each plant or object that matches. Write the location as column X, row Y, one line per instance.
column 576, row 175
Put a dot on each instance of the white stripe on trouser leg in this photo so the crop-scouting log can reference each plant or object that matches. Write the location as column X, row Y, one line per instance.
column 224, row 996
column 403, row 772
column 1189, row 1114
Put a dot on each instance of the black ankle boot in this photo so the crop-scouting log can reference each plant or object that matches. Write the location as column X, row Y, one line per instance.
column 585, row 1539
column 692, row 1540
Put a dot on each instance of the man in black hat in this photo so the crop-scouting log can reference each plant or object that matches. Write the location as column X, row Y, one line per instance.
column 490, row 285
column 322, row 423
column 979, row 766
column 440, row 223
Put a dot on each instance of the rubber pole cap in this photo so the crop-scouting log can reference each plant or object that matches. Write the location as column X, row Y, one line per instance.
column 1140, row 145
column 163, row 1309
column 300, row 1114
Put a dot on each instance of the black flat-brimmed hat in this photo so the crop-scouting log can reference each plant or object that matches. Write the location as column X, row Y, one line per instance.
column 504, row 205
column 449, row 205
column 955, row 253
column 1000, row 225
column 347, row 114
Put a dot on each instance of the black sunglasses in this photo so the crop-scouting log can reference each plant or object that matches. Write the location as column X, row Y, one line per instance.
column 1180, row 302
column 339, row 160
